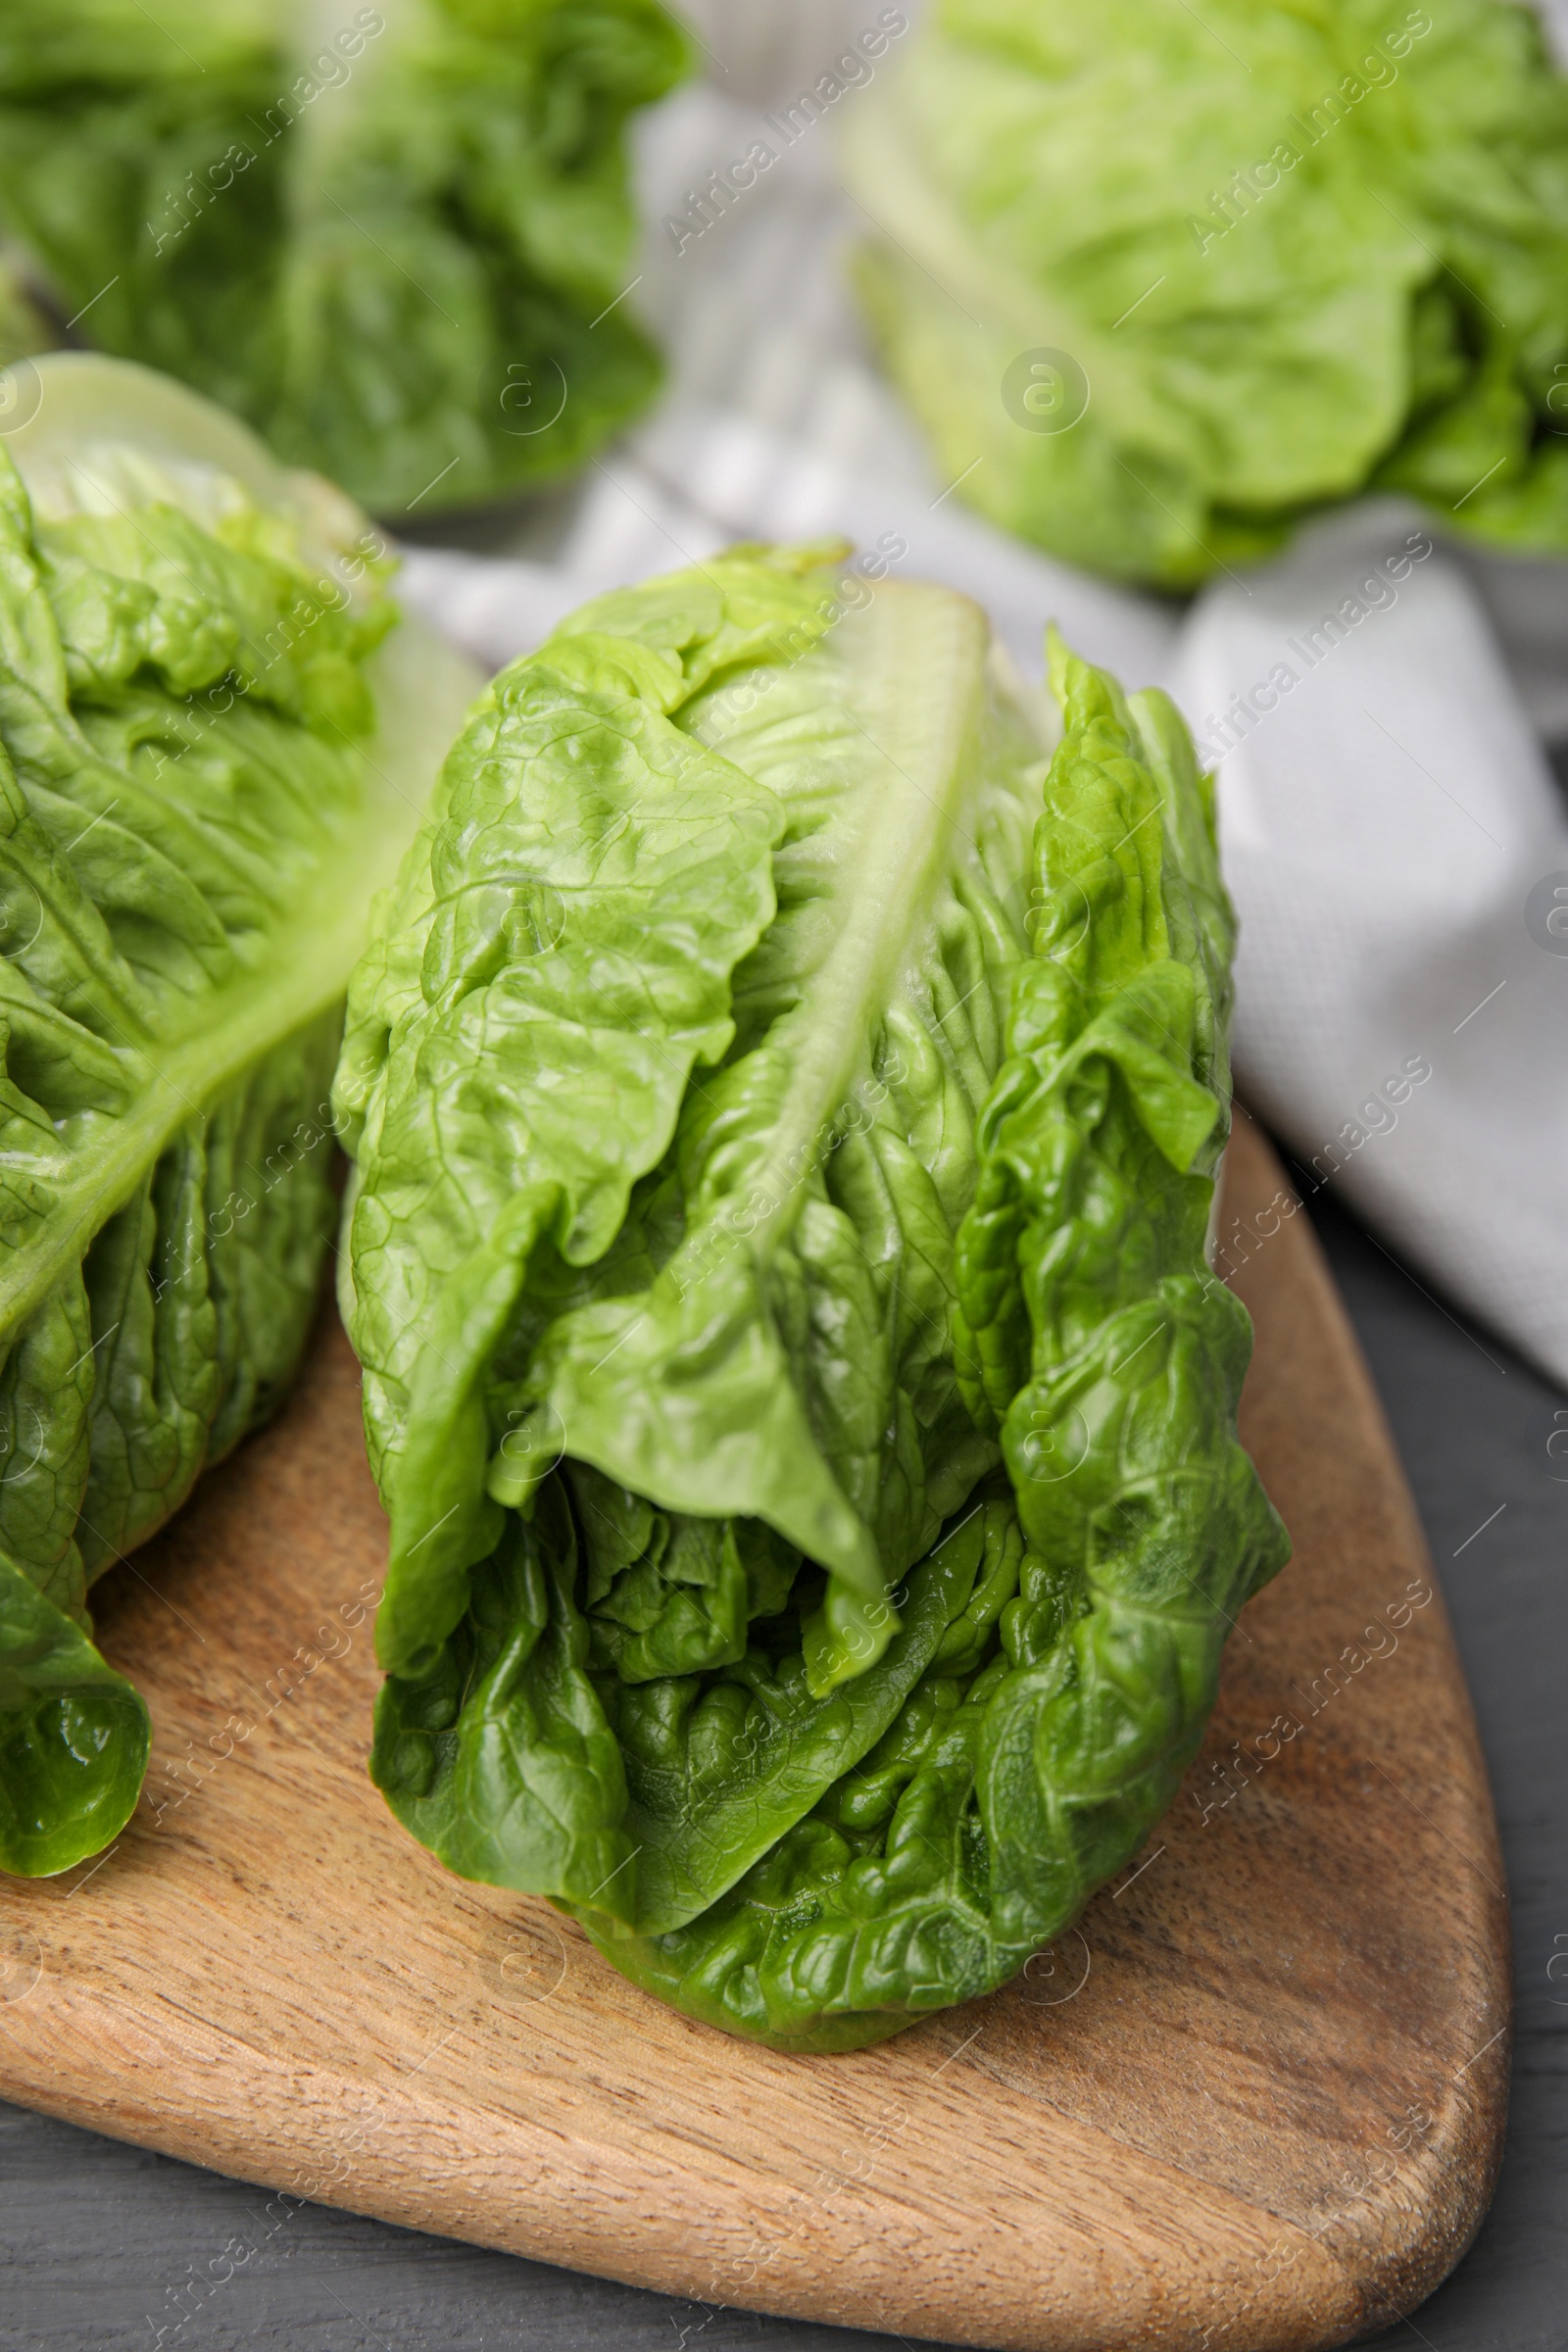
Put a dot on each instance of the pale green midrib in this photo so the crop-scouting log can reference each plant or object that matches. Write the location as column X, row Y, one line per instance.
column 312, row 957
column 333, row 120
column 919, row 704
column 185, row 1075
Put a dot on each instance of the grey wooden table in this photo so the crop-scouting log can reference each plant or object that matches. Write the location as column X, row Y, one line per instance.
column 99, row 2244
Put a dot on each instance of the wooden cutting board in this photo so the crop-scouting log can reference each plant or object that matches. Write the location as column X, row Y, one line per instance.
column 1254, row 2099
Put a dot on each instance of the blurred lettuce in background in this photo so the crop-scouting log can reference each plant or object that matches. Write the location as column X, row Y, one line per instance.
column 1165, row 280
column 385, row 235
column 24, row 327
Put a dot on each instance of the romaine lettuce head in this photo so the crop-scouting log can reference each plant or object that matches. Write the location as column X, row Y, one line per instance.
column 785, row 1102
column 212, row 753
column 1161, row 281
column 388, row 236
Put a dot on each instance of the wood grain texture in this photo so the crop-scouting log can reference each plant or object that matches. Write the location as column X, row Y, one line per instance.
column 1254, row 2100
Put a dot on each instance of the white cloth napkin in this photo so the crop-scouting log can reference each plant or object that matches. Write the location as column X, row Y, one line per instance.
column 1390, row 830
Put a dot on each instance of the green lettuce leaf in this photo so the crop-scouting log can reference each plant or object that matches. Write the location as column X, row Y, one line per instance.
column 388, row 236
column 210, row 756
column 1161, row 281
column 805, row 1416
column 24, row 327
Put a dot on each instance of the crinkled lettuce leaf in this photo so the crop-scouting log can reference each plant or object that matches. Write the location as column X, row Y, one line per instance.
column 388, row 236
column 662, row 1074
column 211, row 756
column 1292, row 251
column 784, row 1106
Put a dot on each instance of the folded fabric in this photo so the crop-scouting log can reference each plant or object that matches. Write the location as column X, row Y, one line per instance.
column 1395, row 846
column 700, row 479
